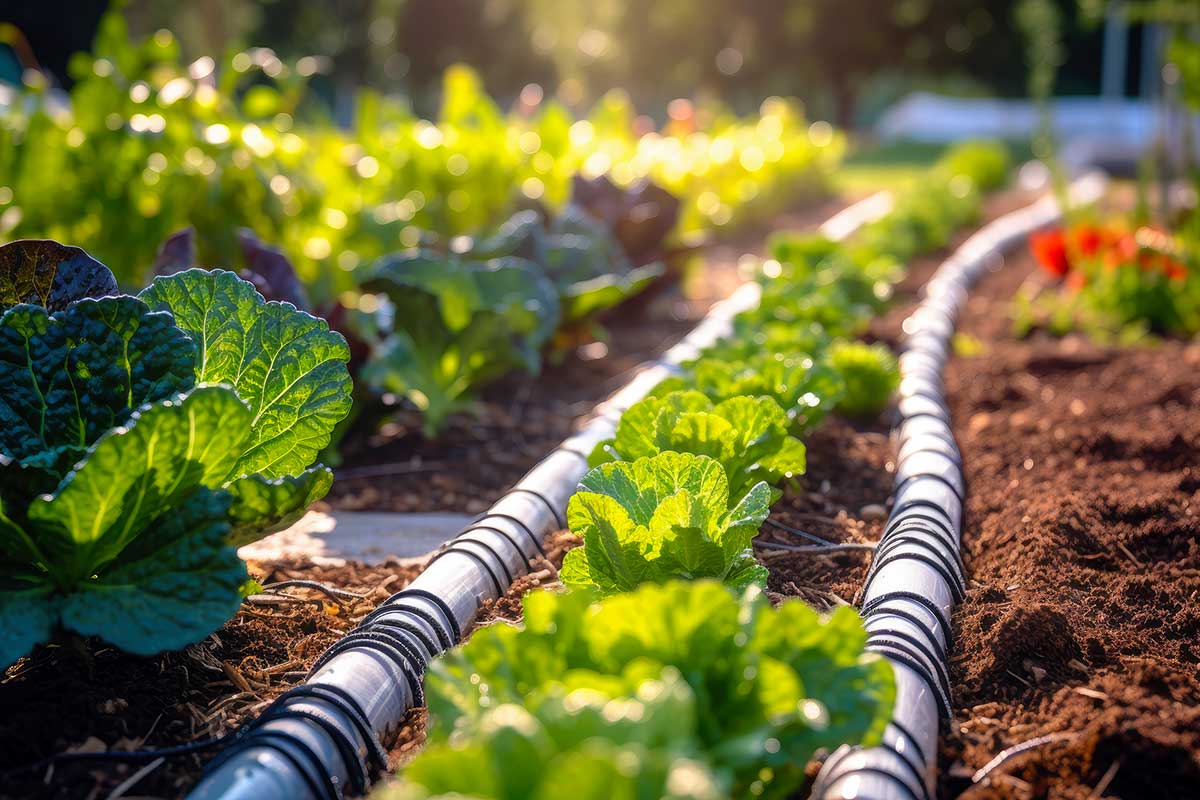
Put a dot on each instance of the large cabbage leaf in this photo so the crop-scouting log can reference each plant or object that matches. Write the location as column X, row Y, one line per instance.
column 124, row 490
column 133, row 546
column 72, row 375
column 284, row 363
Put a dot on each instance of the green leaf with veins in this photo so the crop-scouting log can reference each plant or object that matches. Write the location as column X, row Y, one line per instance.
column 455, row 325
column 134, row 476
column 286, row 364
column 51, row 275
column 177, row 583
column 28, row 613
column 806, row 388
column 72, row 375
column 264, row 505
column 659, row 518
column 584, row 744
column 134, row 545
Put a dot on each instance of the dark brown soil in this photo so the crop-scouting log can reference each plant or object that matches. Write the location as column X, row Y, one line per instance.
column 391, row 466
column 1081, row 540
column 1082, row 543
column 76, row 697
column 79, row 697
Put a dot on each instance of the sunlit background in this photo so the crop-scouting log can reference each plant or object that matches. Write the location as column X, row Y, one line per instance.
column 847, row 59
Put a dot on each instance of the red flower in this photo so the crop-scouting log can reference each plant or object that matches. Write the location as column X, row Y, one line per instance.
column 1050, row 250
column 1088, row 239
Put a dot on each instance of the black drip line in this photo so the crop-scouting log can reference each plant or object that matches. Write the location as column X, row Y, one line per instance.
column 954, row 456
column 558, row 518
column 931, row 537
column 912, row 642
column 840, row 757
column 907, row 734
column 458, row 546
column 883, row 773
column 874, row 605
column 913, row 520
column 934, row 644
column 919, row 503
column 938, row 563
column 503, row 533
column 391, row 645
column 447, row 638
column 932, row 476
column 929, row 541
column 908, row 656
column 478, row 523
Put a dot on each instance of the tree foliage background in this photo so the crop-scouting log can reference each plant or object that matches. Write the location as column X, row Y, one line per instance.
column 846, row 58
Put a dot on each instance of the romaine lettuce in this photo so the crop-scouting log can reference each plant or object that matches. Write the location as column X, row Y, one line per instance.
column 663, row 517
column 748, row 436
column 771, row 685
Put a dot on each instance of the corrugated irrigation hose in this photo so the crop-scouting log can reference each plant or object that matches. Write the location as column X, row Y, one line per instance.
column 323, row 737
column 916, row 576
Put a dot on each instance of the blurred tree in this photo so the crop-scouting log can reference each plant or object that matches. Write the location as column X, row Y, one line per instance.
column 832, row 53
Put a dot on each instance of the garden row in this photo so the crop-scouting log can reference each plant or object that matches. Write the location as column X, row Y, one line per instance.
column 142, row 446
column 449, row 253
column 646, row 678
column 147, row 145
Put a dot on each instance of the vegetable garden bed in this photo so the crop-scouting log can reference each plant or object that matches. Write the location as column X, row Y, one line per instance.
column 1028, row 651
column 1079, row 634
column 71, row 699
column 521, row 417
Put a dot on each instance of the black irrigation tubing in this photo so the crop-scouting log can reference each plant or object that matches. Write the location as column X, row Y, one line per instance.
column 917, row 576
column 314, row 750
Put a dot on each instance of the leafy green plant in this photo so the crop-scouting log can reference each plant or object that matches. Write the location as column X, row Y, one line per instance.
column 806, row 388
column 452, row 325
column 582, row 743
column 667, row 516
column 747, row 436
column 579, row 255
column 144, row 439
column 871, row 375
column 149, row 144
column 770, row 686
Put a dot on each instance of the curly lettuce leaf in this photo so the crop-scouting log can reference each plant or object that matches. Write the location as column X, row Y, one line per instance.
column 660, row 518
column 455, row 325
column 870, row 373
column 45, row 273
column 748, row 436
column 580, row 744
column 806, row 388
column 286, row 364
column 756, row 673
